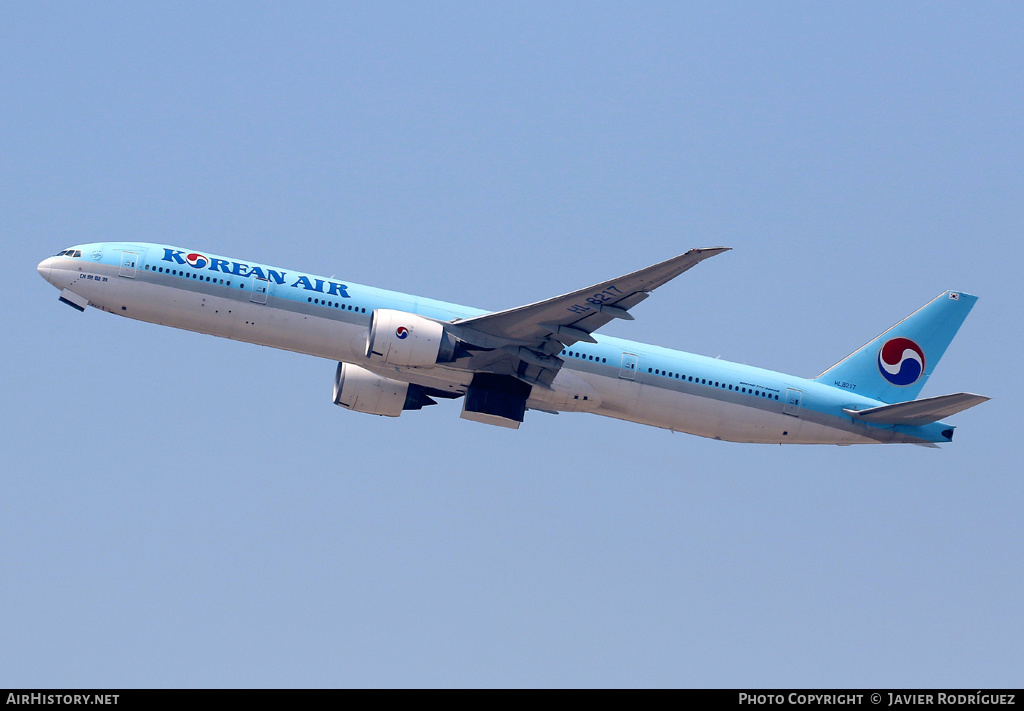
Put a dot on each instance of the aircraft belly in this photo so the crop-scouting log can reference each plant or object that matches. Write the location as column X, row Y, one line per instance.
column 721, row 419
column 265, row 325
column 681, row 412
column 235, row 318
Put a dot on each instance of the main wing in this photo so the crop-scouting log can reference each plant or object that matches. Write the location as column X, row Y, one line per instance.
column 523, row 342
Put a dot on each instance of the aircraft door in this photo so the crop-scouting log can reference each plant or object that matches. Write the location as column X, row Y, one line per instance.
column 129, row 260
column 260, row 290
column 792, row 404
column 628, row 368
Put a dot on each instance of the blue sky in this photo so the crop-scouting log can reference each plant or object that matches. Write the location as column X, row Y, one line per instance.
column 178, row 510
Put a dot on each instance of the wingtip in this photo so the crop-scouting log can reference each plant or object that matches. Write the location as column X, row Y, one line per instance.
column 709, row 251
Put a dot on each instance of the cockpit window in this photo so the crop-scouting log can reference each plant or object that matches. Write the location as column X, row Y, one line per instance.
column 69, row 253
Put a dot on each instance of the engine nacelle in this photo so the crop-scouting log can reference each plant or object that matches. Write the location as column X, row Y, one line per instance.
column 404, row 339
column 360, row 390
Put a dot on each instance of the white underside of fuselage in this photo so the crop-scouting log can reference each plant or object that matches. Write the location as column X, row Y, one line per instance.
column 342, row 337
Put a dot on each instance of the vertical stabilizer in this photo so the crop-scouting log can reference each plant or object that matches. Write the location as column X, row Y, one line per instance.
column 895, row 365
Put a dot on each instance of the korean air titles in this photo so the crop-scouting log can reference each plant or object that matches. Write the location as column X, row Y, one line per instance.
column 223, row 266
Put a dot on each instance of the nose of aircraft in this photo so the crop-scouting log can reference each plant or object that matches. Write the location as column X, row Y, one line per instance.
column 44, row 268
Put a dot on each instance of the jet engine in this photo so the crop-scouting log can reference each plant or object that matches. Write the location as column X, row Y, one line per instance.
column 404, row 339
column 360, row 390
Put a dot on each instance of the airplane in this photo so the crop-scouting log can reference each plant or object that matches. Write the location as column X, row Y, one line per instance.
column 397, row 352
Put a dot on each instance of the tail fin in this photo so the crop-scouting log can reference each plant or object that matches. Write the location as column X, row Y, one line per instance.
column 895, row 365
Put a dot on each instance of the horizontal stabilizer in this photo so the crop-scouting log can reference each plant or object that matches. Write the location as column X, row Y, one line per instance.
column 918, row 412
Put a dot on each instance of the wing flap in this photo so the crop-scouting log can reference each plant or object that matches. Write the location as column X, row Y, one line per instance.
column 918, row 412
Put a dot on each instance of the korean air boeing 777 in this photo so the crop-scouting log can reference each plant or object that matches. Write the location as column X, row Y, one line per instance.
column 398, row 352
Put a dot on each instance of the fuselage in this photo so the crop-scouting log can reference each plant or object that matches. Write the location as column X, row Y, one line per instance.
column 329, row 318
